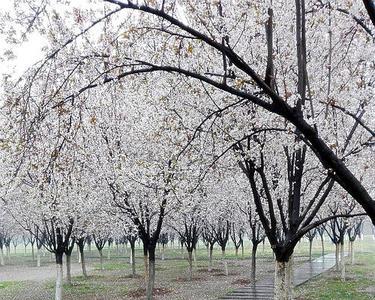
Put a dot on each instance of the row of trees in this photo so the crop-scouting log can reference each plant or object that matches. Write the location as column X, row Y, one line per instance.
column 253, row 115
column 184, row 230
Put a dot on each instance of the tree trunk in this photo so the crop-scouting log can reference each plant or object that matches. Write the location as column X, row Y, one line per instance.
column 132, row 255
column 242, row 250
column 32, row 252
column 8, row 253
column 83, row 261
column 195, row 257
column 342, row 262
column 182, row 251
column 68, row 269
column 2, row 257
column 101, row 259
column 59, row 277
column 37, row 257
column 151, row 273
column 224, row 262
column 337, row 256
column 310, row 249
column 78, row 254
column 210, row 259
column 145, row 260
column 162, row 252
column 253, row 261
column 190, row 259
column 351, row 243
column 236, row 251
column 283, row 284
column 322, row 244
column 109, row 252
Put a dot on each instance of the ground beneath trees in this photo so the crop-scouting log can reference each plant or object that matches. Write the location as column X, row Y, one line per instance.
column 21, row 280
column 32, row 283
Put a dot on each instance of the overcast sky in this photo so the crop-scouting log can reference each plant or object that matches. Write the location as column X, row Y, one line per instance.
column 26, row 54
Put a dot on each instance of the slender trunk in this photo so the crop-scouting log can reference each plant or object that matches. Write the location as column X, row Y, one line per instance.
column 190, row 259
column 151, row 273
column 15, row 249
column 132, row 255
column 68, row 268
column 79, row 254
column 162, row 252
column 25, row 251
column 351, row 243
column 101, row 259
column 195, row 257
column 349, row 247
column 2, row 257
column 337, row 256
column 145, row 260
column 282, row 288
column 210, row 259
column 310, row 249
column 182, row 251
column 59, row 277
column 236, row 251
column 32, row 252
column 242, row 250
column 342, row 262
column 322, row 243
column 83, row 261
column 253, row 261
column 37, row 257
column 224, row 262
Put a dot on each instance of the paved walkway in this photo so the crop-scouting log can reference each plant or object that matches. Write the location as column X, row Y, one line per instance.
column 263, row 289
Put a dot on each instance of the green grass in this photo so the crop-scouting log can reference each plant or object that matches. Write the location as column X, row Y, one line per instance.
column 81, row 286
column 85, row 288
column 10, row 285
column 113, row 265
column 328, row 286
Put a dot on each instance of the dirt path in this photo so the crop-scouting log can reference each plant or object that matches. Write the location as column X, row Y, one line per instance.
column 27, row 273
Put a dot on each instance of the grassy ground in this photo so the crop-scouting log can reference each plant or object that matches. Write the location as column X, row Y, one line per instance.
column 115, row 282
column 359, row 283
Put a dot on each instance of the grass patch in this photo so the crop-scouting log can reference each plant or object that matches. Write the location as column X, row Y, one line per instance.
column 92, row 285
column 10, row 285
column 113, row 265
column 85, row 288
